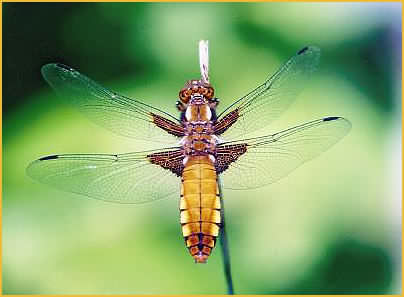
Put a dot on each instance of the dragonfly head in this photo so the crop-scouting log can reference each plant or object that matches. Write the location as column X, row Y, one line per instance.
column 196, row 92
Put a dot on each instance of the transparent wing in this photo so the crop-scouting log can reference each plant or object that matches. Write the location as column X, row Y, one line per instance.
column 115, row 112
column 125, row 178
column 256, row 162
column 264, row 104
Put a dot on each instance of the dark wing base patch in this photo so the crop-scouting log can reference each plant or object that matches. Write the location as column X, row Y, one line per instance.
column 226, row 122
column 167, row 125
column 228, row 154
column 171, row 160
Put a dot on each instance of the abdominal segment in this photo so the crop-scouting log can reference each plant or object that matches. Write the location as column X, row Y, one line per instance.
column 200, row 207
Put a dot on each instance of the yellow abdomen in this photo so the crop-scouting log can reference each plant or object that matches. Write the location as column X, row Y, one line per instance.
column 200, row 207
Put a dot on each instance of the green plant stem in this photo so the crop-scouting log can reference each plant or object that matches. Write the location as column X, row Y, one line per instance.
column 225, row 246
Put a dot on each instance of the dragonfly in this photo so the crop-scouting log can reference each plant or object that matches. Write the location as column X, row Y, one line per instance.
column 197, row 147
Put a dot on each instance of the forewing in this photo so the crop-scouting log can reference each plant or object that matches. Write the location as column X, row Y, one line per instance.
column 126, row 178
column 115, row 112
column 256, row 162
column 264, row 104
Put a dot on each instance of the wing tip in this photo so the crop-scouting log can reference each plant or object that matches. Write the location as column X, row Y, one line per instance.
column 63, row 66
column 343, row 121
column 30, row 170
column 303, row 50
column 45, row 69
column 50, row 157
column 327, row 119
column 336, row 118
column 308, row 48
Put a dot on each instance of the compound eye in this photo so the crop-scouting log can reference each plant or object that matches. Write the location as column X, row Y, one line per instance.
column 204, row 91
column 183, row 97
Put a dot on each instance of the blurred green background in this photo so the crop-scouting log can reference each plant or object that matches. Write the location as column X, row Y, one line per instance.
column 332, row 226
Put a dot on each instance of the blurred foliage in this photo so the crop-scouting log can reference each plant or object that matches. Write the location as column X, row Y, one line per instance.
column 333, row 226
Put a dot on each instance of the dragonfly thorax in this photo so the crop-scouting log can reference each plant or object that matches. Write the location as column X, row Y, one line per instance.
column 198, row 113
column 199, row 136
column 199, row 144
